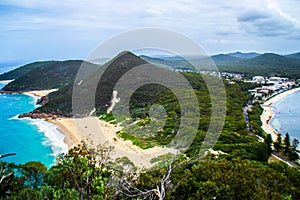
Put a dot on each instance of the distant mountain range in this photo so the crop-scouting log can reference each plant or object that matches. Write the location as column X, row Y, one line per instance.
column 250, row 64
column 268, row 64
column 294, row 55
column 244, row 55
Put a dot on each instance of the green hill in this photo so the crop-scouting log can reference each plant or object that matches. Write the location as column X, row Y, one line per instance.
column 201, row 63
column 293, row 55
column 244, row 55
column 169, row 62
column 16, row 73
column 45, row 75
column 268, row 64
column 62, row 99
column 221, row 59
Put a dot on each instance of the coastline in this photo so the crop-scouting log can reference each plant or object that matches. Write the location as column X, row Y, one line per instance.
column 268, row 114
column 67, row 127
column 51, row 130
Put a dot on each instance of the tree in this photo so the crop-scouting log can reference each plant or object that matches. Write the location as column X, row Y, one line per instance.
column 295, row 143
column 269, row 142
column 80, row 172
column 293, row 154
column 287, row 144
column 33, row 173
column 278, row 144
column 6, row 175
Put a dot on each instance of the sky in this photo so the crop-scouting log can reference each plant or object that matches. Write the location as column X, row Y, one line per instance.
column 70, row 29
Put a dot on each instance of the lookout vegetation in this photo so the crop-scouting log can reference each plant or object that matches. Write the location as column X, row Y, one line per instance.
column 85, row 173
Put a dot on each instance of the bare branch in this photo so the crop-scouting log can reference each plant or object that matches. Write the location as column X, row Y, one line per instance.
column 6, row 177
column 5, row 155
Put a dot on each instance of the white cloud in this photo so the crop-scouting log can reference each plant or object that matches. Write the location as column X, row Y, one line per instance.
column 218, row 41
column 219, row 24
column 268, row 19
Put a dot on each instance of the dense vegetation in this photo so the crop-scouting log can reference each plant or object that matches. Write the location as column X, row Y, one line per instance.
column 266, row 65
column 89, row 174
column 283, row 147
column 254, row 119
column 16, row 73
column 45, row 75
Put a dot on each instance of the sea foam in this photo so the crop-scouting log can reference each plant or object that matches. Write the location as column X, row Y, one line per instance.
column 54, row 138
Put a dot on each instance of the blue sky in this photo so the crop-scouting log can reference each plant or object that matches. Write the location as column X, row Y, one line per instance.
column 41, row 30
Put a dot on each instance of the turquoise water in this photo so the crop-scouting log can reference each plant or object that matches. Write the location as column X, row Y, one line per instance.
column 286, row 117
column 31, row 140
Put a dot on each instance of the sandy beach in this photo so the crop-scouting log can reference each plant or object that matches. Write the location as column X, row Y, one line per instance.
column 95, row 132
column 6, row 81
column 39, row 93
column 268, row 114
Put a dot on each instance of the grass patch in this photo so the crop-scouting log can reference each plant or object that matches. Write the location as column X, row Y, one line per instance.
column 140, row 142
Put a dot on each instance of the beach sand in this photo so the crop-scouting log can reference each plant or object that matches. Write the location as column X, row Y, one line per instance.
column 95, row 132
column 39, row 93
column 6, row 81
column 268, row 114
column 68, row 128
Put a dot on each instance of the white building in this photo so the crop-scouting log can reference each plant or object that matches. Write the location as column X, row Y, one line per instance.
column 258, row 79
column 278, row 79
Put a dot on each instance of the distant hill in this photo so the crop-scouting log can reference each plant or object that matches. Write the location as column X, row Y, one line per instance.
column 268, row 64
column 172, row 63
column 201, row 63
column 16, row 73
column 293, row 55
column 45, row 75
column 244, row 55
column 221, row 59
column 251, row 64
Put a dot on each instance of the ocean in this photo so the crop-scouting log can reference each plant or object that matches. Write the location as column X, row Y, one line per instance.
column 286, row 118
column 30, row 139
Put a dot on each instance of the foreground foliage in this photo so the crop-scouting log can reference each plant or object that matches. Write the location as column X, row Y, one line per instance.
column 86, row 174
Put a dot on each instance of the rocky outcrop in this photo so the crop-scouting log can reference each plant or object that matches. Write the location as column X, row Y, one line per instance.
column 43, row 100
column 8, row 92
column 39, row 115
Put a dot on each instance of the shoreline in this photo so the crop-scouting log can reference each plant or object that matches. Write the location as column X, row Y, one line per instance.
column 67, row 127
column 268, row 113
column 36, row 95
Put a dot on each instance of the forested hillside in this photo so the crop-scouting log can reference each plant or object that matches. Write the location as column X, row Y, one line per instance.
column 266, row 65
column 16, row 73
column 45, row 75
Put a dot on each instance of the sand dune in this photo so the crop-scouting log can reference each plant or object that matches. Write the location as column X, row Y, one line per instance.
column 95, row 132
